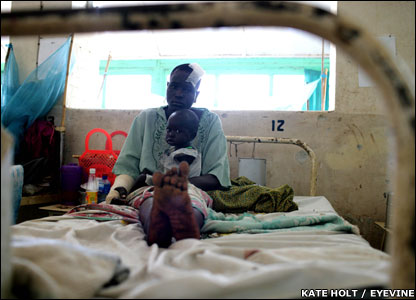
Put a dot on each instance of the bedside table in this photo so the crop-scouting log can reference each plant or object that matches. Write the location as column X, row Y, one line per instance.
column 57, row 209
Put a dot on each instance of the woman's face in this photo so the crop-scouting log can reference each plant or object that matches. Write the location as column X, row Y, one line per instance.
column 180, row 94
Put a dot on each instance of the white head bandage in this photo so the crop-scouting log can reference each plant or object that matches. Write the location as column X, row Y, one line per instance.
column 195, row 75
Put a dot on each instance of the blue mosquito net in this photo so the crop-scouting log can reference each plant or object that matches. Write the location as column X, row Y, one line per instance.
column 10, row 83
column 36, row 96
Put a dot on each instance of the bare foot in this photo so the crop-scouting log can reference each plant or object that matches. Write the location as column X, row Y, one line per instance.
column 160, row 231
column 171, row 198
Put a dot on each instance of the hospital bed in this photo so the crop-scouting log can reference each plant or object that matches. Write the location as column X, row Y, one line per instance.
column 310, row 248
column 248, row 255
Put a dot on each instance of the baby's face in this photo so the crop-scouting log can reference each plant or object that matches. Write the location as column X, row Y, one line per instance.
column 176, row 134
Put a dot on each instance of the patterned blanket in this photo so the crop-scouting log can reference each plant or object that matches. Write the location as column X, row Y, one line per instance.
column 245, row 195
column 105, row 212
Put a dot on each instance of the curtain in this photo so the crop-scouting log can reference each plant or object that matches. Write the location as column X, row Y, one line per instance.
column 313, row 77
column 36, row 96
column 10, row 77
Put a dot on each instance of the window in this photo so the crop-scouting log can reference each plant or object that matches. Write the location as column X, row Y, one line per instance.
column 229, row 83
column 247, row 68
column 245, row 92
column 291, row 87
column 125, row 90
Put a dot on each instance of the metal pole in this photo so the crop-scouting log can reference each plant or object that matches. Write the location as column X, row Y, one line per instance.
column 322, row 77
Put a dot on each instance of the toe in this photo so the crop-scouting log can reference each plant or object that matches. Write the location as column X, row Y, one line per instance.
column 172, row 172
column 174, row 180
column 184, row 169
column 183, row 185
column 166, row 179
column 157, row 179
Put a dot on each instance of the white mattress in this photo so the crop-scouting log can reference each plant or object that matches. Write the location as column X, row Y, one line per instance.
column 277, row 264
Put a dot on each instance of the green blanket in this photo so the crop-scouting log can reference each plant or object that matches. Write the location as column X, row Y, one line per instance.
column 250, row 223
column 245, row 195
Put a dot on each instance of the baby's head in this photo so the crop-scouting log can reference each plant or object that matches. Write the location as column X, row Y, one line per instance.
column 182, row 128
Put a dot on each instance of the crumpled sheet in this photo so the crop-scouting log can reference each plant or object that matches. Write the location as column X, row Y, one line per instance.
column 266, row 265
column 51, row 268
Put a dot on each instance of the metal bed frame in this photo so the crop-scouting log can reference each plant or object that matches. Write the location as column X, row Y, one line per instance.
column 296, row 142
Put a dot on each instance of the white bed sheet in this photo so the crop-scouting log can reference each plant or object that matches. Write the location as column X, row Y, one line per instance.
column 268, row 265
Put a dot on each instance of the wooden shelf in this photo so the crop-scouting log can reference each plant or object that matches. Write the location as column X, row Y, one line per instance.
column 57, row 209
column 40, row 199
column 60, row 128
column 383, row 226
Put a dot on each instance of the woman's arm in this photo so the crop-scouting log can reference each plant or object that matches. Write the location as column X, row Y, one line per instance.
column 214, row 152
column 207, row 182
column 128, row 160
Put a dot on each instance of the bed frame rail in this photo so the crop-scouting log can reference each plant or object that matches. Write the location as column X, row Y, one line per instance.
column 273, row 140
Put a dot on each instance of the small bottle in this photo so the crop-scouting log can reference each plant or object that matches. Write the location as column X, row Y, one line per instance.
column 107, row 184
column 92, row 188
column 104, row 188
column 100, row 186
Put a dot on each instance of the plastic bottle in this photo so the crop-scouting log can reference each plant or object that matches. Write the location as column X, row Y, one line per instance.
column 104, row 188
column 107, row 184
column 92, row 188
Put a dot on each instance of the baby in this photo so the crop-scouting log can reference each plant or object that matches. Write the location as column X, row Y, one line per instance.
column 181, row 129
column 180, row 132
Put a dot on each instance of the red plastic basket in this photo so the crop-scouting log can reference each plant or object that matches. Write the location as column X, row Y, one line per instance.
column 102, row 160
column 117, row 132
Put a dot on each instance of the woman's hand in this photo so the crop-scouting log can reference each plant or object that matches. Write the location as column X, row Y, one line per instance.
column 207, row 182
column 112, row 195
column 117, row 196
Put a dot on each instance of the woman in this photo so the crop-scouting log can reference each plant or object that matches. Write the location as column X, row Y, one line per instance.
column 143, row 149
